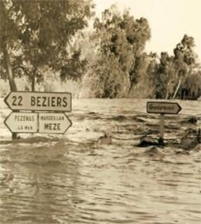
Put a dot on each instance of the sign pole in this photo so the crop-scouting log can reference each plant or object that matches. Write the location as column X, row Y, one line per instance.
column 14, row 134
column 199, row 135
column 199, row 131
column 162, row 108
column 161, row 129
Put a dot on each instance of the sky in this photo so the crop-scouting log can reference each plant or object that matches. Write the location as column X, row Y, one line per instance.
column 169, row 20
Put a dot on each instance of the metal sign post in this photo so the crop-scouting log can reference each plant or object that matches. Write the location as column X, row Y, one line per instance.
column 162, row 128
column 199, row 131
column 162, row 108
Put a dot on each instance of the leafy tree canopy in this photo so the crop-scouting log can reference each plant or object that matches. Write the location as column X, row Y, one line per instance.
column 38, row 33
column 172, row 71
column 119, row 39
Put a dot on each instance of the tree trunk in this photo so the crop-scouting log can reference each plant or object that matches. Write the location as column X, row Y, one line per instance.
column 12, row 84
column 178, row 86
column 33, row 82
column 168, row 88
column 167, row 94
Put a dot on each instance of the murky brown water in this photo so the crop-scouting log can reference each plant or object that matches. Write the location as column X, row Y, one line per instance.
column 71, row 179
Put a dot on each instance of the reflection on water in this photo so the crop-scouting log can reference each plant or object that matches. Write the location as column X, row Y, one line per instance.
column 74, row 180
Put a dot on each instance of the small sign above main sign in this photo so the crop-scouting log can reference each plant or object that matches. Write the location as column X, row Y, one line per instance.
column 39, row 101
column 163, row 107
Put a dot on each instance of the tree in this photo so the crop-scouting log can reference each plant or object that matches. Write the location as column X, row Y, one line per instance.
column 192, row 85
column 173, row 70
column 145, row 70
column 38, row 33
column 119, row 40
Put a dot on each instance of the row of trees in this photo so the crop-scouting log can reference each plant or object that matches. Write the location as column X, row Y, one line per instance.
column 120, row 67
column 177, row 71
column 109, row 58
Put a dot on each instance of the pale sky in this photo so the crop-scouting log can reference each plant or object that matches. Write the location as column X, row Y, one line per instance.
column 169, row 20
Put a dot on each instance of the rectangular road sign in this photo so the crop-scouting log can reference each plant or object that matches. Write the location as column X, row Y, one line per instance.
column 54, row 123
column 39, row 101
column 22, row 122
column 158, row 107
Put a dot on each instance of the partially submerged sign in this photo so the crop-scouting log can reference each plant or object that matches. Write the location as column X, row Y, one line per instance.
column 39, row 101
column 158, row 107
column 56, row 123
column 163, row 107
column 31, row 122
column 22, row 122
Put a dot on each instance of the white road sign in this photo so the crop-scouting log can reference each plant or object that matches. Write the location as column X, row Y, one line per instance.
column 163, row 107
column 39, row 101
column 55, row 123
column 22, row 122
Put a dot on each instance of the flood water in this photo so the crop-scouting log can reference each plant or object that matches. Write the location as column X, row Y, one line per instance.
column 71, row 179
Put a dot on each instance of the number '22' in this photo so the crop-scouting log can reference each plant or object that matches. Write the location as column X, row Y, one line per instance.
column 17, row 101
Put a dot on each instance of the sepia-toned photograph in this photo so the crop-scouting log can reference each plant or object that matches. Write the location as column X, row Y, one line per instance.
column 100, row 112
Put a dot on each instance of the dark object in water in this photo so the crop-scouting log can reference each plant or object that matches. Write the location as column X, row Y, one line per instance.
column 191, row 139
column 192, row 120
column 106, row 139
column 161, row 142
column 199, row 136
column 188, row 144
column 146, row 141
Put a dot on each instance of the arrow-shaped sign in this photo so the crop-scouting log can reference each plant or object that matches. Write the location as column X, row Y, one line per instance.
column 39, row 101
column 163, row 107
column 55, row 123
column 22, row 122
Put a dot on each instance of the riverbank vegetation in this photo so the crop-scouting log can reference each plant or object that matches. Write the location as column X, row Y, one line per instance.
column 63, row 46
